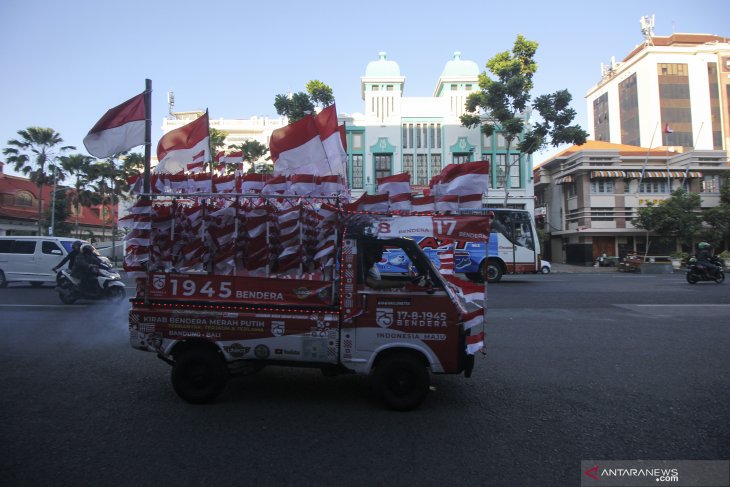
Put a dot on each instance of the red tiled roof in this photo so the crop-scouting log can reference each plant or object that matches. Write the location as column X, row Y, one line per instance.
column 598, row 145
column 11, row 185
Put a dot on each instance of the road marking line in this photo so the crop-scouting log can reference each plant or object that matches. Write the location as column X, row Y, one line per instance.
column 668, row 305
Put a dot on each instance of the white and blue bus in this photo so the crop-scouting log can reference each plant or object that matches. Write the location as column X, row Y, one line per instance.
column 513, row 248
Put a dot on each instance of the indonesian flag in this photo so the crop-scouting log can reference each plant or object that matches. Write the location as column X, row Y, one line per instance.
column 474, row 322
column 120, row 129
column 234, row 158
column 198, row 162
column 180, row 146
column 370, row 202
column 465, row 179
column 225, row 184
column 332, row 136
column 253, row 183
column 668, row 129
column 473, row 293
column 423, row 204
column 395, row 184
column 303, row 184
column 312, row 145
column 400, row 202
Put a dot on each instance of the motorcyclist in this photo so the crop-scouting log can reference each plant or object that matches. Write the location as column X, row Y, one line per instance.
column 86, row 268
column 703, row 258
column 70, row 257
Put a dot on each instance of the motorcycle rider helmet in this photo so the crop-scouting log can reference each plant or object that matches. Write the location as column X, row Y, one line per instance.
column 87, row 249
column 77, row 245
column 703, row 245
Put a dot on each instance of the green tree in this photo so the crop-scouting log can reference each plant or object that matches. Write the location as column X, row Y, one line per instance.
column 718, row 218
column 34, row 155
column 502, row 105
column 56, row 215
column 252, row 151
column 677, row 217
column 296, row 106
column 78, row 167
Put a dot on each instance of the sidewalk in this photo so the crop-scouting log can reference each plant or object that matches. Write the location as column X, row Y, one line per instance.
column 573, row 269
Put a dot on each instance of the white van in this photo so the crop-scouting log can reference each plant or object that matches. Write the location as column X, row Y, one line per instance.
column 31, row 259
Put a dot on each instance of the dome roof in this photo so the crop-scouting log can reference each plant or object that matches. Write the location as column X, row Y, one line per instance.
column 458, row 68
column 382, row 68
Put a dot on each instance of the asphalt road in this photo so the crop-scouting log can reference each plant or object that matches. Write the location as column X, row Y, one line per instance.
column 606, row 366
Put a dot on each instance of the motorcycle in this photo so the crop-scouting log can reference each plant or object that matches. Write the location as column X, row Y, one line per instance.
column 108, row 286
column 696, row 273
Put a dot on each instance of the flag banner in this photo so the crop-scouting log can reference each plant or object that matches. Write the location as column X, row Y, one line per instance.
column 395, row 184
column 234, row 158
column 668, row 129
column 464, row 179
column 179, row 147
column 311, row 145
column 332, row 140
column 120, row 129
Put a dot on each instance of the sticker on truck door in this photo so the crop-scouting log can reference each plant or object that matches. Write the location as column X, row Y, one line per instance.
column 384, row 317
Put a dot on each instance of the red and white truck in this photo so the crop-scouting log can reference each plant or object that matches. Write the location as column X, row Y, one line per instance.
column 212, row 322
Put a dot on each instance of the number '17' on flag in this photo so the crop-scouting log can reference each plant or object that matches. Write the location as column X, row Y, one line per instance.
column 120, row 129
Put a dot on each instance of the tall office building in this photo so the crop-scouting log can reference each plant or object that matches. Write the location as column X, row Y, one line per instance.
column 668, row 91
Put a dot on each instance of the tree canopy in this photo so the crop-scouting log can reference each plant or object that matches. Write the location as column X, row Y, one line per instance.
column 677, row 217
column 296, row 106
column 502, row 104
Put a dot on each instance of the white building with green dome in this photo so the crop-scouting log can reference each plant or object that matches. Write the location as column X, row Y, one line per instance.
column 396, row 133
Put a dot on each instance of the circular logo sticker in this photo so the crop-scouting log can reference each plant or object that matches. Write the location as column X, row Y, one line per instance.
column 261, row 351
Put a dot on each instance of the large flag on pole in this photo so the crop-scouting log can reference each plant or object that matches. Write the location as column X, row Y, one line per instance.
column 182, row 146
column 311, row 145
column 120, row 129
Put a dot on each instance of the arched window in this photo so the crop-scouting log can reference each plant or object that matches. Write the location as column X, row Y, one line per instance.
column 23, row 198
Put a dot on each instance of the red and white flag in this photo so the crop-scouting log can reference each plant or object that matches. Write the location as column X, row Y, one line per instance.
column 395, row 184
column 465, row 179
column 198, row 162
column 311, row 145
column 234, row 158
column 179, row 147
column 120, row 129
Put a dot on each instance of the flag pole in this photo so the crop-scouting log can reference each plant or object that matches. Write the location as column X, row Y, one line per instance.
column 686, row 171
column 147, row 135
column 646, row 159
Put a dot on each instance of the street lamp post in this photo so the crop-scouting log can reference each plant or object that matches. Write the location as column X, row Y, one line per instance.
column 53, row 204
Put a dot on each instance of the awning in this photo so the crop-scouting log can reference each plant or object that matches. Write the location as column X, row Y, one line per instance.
column 663, row 174
column 566, row 179
column 607, row 174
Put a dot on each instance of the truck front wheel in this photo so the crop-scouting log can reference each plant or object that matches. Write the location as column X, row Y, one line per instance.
column 402, row 381
column 199, row 375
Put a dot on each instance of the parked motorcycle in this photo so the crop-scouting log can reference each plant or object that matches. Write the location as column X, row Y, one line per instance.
column 108, row 286
column 696, row 273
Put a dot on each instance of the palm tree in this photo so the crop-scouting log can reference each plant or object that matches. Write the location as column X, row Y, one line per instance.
column 33, row 154
column 78, row 165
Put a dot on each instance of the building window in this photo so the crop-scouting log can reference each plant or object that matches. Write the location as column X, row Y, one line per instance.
column 357, row 141
column 418, row 135
column 674, row 105
column 357, row 171
column 432, row 134
column 711, row 184
column 23, row 198
column 601, row 214
column 600, row 118
column 602, row 186
column 628, row 99
column 383, row 165
column 388, row 87
column 656, row 186
column 376, row 88
column 715, row 106
column 422, row 170
column 408, row 166
column 460, row 157
column 487, row 142
column 570, row 190
column 435, row 164
column 467, row 87
column 501, row 141
column 454, row 87
column 515, row 171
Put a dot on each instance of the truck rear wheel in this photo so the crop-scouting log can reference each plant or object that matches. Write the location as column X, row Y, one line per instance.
column 402, row 381
column 199, row 375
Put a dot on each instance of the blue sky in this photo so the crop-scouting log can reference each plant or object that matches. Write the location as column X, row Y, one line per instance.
column 66, row 63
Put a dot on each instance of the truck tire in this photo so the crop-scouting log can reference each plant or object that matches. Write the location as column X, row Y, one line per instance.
column 402, row 381
column 199, row 375
column 491, row 271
